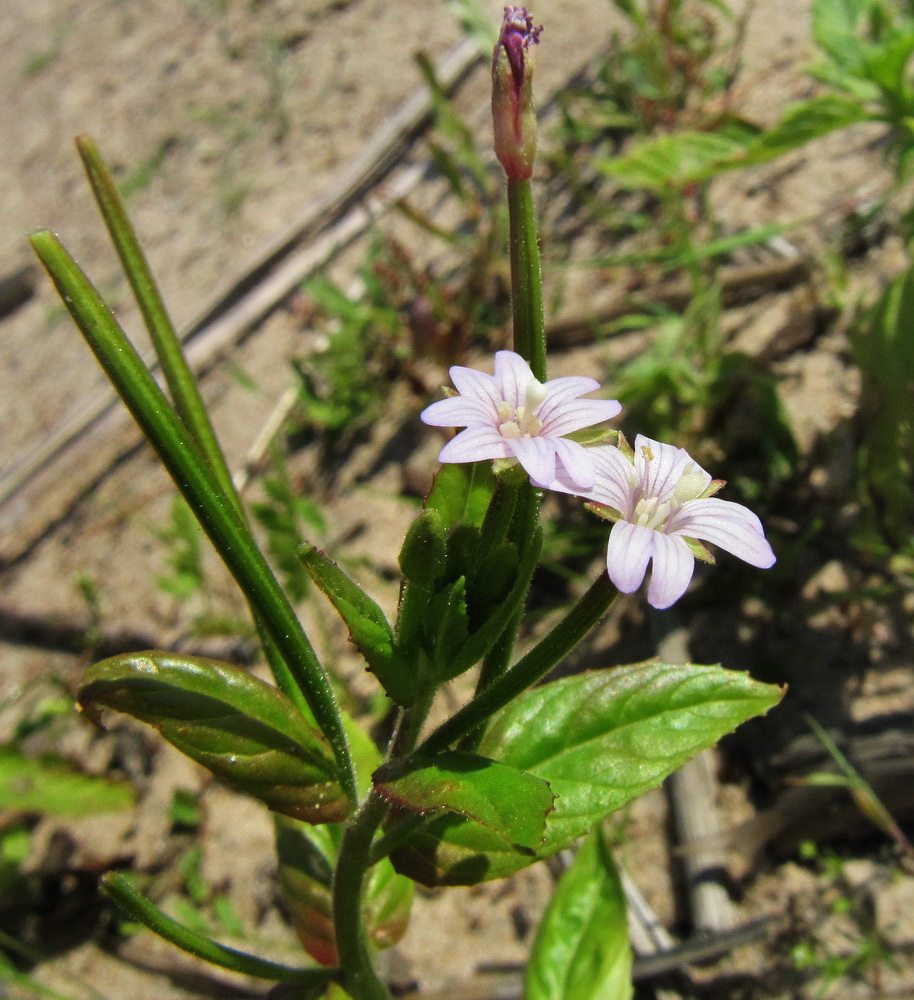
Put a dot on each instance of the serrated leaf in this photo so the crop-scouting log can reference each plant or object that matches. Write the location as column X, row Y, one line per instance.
column 581, row 949
column 368, row 627
column 600, row 740
column 510, row 803
column 55, row 788
column 245, row 731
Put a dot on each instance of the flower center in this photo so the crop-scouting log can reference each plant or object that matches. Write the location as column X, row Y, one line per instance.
column 652, row 512
column 522, row 421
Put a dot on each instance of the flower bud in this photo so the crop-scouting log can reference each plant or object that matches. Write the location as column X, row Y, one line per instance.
column 512, row 93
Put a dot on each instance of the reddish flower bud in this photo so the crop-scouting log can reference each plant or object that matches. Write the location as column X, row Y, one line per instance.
column 512, row 93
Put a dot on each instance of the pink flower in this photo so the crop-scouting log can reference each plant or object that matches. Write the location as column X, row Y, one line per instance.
column 661, row 502
column 512, row 415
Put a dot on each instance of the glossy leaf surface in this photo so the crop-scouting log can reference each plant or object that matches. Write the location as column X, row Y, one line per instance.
column 511, row 804
column 600, row 740
column 245, row 731
column 581, row 950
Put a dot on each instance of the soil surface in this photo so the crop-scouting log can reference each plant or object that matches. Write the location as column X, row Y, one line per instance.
column 224, row 120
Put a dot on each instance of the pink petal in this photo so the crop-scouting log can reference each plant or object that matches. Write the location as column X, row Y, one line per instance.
column 627, row 555
column 671, row 570
column 613, row 485
column 575, row 414
column 561, row 390
column 457, row 411
column 730, row 525
column 575, row 464
column 512, row 376
column 477, row 386
column 536, row 455
column 662, row 471
column 475, row 444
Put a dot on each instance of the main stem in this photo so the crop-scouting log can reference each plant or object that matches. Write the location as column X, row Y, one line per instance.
column 526, row 277
column 359, row 976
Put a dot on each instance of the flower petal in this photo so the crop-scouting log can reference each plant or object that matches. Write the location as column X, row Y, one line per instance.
column 457, row 411
column 671, row 570
column 512, row 376
column 627, row 554
column 575, row 414
column 575, row 464
column 559, row 391
column 475, row 444
column 536, row 455
column 660, row 467
column 615, row 483
column 730, row 525
column 477, row 386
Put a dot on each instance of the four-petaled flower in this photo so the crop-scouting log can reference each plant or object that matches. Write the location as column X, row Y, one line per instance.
column 513, row 415
column 661, row 501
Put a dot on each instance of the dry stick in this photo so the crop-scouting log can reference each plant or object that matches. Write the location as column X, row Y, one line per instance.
column 693, row 795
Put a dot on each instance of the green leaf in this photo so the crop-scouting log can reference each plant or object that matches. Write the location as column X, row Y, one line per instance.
column 246, row 732
column 307, row 859
column 53, row 787
column 600, row 740
column 674, row 161
column 368, row 627
column 118, row 887
column 581, row 950
column 462, row 492
column 510, row 803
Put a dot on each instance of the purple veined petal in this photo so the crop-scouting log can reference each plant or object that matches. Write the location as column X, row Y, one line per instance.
column 576, row 414
column 730, row 525
column 627, row 555
column 574, row 466
column 559, row 391
column 671, row 570
column 660, row 473
column 457, row 411
column 475, row 444
column 478, row 386
column 614, row 485
column 512, row 376
column 536, row 455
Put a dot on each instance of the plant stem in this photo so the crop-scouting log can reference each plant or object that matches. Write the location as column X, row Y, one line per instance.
column 358, row 973
column 215, row 511
column 589, row 609
column 526, row 278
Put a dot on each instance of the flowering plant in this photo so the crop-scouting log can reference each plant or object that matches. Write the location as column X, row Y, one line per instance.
column 523, row 769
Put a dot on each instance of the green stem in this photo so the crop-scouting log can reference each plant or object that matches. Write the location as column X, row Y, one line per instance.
column 358, row 973
column 589, row 609
column 526, row 278
column 216, row 513
column 118, row 887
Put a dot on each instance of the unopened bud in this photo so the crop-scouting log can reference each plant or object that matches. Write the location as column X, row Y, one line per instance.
column 512, row 93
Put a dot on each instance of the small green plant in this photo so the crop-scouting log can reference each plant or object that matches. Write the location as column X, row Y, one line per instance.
column 523, row 769
column 852, row 948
